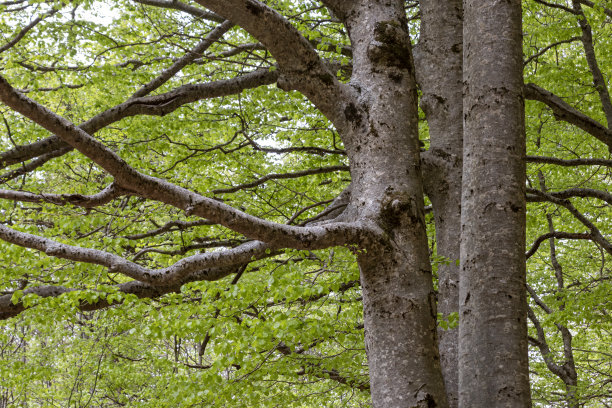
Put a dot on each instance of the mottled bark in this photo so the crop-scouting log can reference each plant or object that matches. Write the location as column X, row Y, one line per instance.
column 493, row 364
column 439, row 74
column 398, row 296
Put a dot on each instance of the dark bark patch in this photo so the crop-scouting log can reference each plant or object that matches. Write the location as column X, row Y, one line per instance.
column 425, row 400
column 392, row 46
column 326, row 78
column 254, row 8
column 352, row 114
column 396, row 77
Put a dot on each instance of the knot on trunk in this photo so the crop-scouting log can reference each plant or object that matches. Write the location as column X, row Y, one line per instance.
column 391, row 46
column 397, row 209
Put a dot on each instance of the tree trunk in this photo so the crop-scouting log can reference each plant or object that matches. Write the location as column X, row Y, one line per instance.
column 398, row 296
column 493, row 364
column 439, row 60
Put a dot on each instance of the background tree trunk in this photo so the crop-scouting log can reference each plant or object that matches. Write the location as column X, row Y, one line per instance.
column 493, row 364
column 439, row 60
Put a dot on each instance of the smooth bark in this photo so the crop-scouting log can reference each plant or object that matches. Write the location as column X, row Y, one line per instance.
column 493, row 363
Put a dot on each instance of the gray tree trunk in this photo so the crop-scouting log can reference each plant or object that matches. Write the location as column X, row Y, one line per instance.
column 439, row 60
column 493, row 364
column 398, row 295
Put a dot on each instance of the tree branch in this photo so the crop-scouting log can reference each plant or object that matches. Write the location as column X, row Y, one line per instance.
column 26, row 29
column 103, row 197
column 577, row 192
column 563, row 111
column 277, row 235
column 280, row 176
column 300, row 65
column 599, row 81
column 558, row 235
column 185, row 60
column 185, row 8
column 178, row 225
column 545, row 49
column 158, row 277
column 589, row 3
column 142, row 290
column 595, row 233
column 158, row 105
column 569, row 162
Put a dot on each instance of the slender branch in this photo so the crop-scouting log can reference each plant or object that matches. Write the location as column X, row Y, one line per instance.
column 170, row 226
column 558, row 235
column 103, row 197
column 557, row 6
column 599, row 81
column 185, row 60
column 595, row 233
column 280, row 176
column 34, row 164
column 543, row 346
column 26, row 29
column 563, row 111
column 545, row 49
column 188, row 248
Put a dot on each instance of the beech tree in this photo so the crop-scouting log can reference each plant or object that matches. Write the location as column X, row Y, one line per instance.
column 235, row 202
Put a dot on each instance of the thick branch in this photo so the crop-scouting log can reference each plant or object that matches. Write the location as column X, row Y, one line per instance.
column 300, row 65
column 116, row 264
column 569, row 162
column 158, row 105
column 185, row 8
column 563, row 111
column 140, row 289
column 578, row 192
column 192, row 203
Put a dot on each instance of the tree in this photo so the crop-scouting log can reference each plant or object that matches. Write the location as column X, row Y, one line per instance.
column 204, row 155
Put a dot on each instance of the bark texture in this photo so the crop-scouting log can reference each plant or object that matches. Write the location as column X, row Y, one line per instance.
column 439, row 73
column 398, row 296
column 493, row 364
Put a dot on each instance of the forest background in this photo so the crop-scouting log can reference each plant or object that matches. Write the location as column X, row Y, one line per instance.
column 285, row 327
